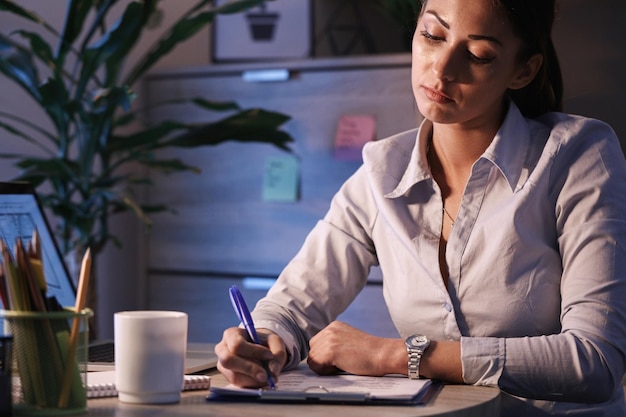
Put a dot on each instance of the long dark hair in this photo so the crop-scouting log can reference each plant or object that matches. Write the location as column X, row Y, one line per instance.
column 532, row 21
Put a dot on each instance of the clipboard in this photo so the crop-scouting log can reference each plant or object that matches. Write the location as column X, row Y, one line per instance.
column 304, row 387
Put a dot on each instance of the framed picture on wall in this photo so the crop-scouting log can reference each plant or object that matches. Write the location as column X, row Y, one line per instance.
column 278, row 29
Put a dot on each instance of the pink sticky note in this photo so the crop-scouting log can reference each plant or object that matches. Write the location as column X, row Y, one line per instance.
column 353, row 132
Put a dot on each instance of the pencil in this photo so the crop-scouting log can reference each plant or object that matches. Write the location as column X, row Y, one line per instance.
column 3, row 291
column 34, row 256
column 26, row 273
column 81, row 298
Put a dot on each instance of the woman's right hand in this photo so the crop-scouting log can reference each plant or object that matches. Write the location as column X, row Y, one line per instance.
column 241, row 361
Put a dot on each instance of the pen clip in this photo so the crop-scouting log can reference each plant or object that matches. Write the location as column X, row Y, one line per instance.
column 243, row 313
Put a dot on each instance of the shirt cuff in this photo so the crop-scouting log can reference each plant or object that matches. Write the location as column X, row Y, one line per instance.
column 482, row 359
column 293, row 357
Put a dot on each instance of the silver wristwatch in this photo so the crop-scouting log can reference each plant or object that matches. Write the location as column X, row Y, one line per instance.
column 415, row 346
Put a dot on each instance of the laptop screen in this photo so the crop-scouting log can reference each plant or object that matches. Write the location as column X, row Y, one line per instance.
column 20, row 214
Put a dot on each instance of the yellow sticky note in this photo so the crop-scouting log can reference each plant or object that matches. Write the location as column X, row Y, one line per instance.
column 281, row 180
column 353, row 132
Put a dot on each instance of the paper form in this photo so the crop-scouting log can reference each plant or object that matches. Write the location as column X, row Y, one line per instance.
column 304, row 384
column 388, row 387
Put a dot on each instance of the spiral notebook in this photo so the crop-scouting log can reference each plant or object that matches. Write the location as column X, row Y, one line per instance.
column 102, row 384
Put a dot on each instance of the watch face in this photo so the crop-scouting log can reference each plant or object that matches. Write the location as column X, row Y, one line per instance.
column 417, row 340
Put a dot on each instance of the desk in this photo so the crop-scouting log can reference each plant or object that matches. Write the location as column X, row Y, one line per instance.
column 452, row 400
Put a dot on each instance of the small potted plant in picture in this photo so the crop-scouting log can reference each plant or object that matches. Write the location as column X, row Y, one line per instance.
column 262, row 24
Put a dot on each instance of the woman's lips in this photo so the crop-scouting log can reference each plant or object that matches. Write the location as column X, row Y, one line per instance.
column 436, row 95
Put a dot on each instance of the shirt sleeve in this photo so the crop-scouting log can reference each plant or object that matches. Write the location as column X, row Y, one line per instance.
column 585, row 361
column 325, row 276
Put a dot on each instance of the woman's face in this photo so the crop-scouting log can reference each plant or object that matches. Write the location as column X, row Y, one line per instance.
column 464, row 59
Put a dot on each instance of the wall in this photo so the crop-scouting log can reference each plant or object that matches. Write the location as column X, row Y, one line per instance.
column 590, row 38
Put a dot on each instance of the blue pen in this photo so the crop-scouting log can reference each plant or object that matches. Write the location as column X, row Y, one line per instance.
column 244, row 317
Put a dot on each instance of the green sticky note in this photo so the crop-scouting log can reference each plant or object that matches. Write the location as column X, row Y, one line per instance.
column 281, row 179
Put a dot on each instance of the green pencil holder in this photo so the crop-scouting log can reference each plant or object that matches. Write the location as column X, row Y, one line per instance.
column 49, row 362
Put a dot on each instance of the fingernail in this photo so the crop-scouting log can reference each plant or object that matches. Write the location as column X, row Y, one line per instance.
column 261, row 377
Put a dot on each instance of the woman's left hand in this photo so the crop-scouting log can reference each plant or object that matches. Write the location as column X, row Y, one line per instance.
column 341, row 347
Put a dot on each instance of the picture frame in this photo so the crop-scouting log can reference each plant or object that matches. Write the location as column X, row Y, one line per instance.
column 279, row 29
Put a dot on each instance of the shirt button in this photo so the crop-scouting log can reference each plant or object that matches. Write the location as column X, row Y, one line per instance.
column 448, row 307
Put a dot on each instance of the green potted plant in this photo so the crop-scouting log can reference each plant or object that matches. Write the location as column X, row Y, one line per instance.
column 88, row 159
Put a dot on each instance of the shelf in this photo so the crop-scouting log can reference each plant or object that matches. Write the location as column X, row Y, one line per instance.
column 308, row 65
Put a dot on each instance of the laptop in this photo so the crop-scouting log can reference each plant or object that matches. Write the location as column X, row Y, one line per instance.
column 199, row 357
column 20, row 214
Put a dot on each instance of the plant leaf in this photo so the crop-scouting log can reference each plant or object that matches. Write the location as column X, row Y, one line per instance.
column 77, row 11
column 17, row 64
column 12, row 7
column 108, row 99
column 16, row 132
column 39, row 47
column 169, row 166
column 183, row 30
column 50, row 168
column 215, row 105
column 237, row 6
column 146, row 139
column 8, row 5
column 115, row 61
column 155, row 208
column 255, row 125
column 54, row 97
column 29, row 124
column 114, row 44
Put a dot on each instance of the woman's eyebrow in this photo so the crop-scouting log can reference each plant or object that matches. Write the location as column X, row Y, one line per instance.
column 446, row 25
column 439, row 18
column 486, row 38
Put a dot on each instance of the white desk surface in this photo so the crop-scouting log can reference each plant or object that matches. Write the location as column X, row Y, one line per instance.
column 452, row 400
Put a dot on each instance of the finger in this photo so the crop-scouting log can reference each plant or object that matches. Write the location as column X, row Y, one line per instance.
column 239, row 344
column 242, row 371
column 232, row 337
column 241, row 379
column 279, row 351
column 321, row 368
column 241, row 361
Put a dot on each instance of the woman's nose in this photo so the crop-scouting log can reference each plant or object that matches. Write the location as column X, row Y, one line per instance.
column 446, row 64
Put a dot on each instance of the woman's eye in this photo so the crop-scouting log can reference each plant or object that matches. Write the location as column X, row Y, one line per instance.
column 474, row 58
column 480, row 60
column 430, row 37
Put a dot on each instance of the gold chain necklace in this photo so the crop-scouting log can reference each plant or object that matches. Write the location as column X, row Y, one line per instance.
column 449, row 216
column 429, row 157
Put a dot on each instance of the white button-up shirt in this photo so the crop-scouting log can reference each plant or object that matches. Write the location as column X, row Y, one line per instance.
column 536, row 257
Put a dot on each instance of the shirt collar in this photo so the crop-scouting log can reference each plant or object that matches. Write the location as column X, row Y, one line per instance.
column 507, row 151
column 417, row 168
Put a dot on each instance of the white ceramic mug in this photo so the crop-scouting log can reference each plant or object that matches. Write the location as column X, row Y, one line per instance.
column 150, row 348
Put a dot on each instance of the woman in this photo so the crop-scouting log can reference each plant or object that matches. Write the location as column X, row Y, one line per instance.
column 498, row 225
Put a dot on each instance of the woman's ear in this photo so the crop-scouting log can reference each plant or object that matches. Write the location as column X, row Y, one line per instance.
column 527, row 72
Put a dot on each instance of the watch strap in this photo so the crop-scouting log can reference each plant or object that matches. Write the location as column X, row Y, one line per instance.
column 414, row 363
